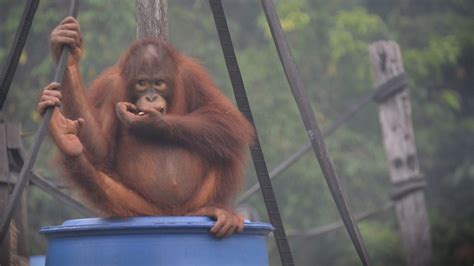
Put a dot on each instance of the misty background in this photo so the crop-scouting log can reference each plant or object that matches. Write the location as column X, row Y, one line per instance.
column 329, row 40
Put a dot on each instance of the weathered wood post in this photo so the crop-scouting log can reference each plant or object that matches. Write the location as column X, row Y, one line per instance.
column 14, row 248
column 399, row 141
column 152, row 18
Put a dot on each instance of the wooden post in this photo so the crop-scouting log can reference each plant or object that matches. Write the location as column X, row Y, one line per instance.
column 152, row 18
column 14, row 249
column 4, row 193
column 399, row 142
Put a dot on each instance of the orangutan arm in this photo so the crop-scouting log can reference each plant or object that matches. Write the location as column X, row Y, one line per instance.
column 217, row 131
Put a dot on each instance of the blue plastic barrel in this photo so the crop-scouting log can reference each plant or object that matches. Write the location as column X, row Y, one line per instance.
column 153, row 241
column 37, row 260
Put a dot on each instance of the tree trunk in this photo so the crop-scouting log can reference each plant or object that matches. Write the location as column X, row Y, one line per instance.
column 399, row 142
column 152, row 18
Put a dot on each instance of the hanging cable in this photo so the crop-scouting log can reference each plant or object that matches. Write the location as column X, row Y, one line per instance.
column 30, row 160
column 324, row 229
column 380, row 93
column 18, row 43
column 282, row 166
column 312, row 128
column 255, row 149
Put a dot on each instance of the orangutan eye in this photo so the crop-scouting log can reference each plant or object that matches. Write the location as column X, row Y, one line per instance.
column 159, row 82
column 141, row 82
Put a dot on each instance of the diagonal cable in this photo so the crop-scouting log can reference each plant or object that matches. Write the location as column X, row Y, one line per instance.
column 30, row 160
column 255, row 149
column 380, row 93
column 18, row 43
column 282, row 166
column 312, row 128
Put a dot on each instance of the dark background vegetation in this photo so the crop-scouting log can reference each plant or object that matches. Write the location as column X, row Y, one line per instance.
column 329, row 40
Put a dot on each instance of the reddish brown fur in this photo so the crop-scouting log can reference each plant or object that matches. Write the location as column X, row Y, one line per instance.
column 200, row 144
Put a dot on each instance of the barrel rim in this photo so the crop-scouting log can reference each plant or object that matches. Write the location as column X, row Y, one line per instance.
column 159, row 224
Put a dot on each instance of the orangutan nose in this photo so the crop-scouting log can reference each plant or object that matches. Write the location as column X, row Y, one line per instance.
column 151, row 97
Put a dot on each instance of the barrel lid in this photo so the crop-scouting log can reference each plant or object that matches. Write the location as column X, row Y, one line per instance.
column 174, row 224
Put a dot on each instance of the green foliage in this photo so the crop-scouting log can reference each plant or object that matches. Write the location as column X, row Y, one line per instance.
column 382, row 243
column 352, row 31
column 440, row 51
column 293, row 16
column 451, row 99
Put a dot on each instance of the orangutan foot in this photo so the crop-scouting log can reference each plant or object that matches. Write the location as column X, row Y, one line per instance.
column 64, row 132
column 227, row 222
